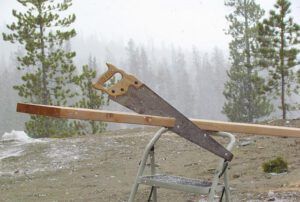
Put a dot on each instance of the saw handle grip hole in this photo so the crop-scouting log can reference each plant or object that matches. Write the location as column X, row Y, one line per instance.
column 110, row 77
column 115, row 78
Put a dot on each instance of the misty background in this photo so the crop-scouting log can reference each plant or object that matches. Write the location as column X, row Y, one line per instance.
column 181, row 45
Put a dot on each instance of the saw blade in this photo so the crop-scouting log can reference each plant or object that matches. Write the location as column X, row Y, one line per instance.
column 138, row 97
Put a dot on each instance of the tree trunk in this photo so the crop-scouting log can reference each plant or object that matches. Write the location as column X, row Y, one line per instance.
column 283, row 97
column 282, row 72
column 248, row 66
column 45, row 95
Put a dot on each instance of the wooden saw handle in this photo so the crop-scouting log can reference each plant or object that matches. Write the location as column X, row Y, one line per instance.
column 121, row 86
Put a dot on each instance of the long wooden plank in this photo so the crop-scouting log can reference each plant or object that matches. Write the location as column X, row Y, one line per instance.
column 95, row 115
column 120, row 117
column 257, row 129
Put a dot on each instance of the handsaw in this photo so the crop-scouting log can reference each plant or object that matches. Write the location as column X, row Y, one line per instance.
column 135, row 95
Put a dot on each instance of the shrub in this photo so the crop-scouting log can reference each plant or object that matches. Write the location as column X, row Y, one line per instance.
column 277, row 165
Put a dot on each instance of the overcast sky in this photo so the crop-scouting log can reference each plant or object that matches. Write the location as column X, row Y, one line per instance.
column 182, row 22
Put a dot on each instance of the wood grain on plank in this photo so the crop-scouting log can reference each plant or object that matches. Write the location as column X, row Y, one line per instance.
column 96, row 115
column 257, row 129
column 121, row 117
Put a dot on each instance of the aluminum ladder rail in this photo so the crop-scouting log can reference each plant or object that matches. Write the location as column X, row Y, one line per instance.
column 180, row 183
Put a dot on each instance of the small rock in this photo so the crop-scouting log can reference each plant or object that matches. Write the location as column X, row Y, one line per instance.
column 211, row 170
column 268, row 176
column 270, row 194
column 236, row 176
column 245, row 143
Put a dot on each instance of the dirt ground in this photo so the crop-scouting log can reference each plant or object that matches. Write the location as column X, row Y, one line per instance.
column 103, row 168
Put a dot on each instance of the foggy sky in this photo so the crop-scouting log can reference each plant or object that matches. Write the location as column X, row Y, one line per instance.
column 189, row 23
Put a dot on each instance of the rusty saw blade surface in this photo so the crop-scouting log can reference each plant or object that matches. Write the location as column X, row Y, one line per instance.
column 136, row 96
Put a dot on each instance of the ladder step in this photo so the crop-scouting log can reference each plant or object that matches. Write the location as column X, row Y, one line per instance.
column 177, row 183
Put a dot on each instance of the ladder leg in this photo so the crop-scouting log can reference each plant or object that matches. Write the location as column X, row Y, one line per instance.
column 143, row 162
column 227, row 191
column 153, row 172
column 133, row 191
column 140, row 172
column 215, row 182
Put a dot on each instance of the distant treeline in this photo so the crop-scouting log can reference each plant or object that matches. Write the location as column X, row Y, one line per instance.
column 49, row 65
column 191, row 80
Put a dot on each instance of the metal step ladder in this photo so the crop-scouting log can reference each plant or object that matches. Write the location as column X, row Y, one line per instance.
column 181, row 183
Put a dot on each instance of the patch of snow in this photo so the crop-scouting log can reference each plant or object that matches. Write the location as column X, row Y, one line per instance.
column 14, row 143
column 6, row 174
column 18, row 136
column 10, row 152
column 278, row 174
column 62, row 152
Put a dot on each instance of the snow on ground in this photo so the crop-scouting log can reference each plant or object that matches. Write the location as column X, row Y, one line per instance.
column 18, row 136
column 103, row 168
column 12, row 144
column 20, row 153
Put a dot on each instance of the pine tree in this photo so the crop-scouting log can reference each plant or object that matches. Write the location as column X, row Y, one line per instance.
column 183, row 90
column 163, row 80
column 200, row 83
column 279, row 36
column 133, row 58
column 144, row 66
column 90, row 98
column 208, row 80
column 196, row 58
column 217, row 79
column 47, row 68
column 244, row 91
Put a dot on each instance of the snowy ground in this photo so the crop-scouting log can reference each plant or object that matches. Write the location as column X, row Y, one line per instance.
column 102, row 168
column 43, row 154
